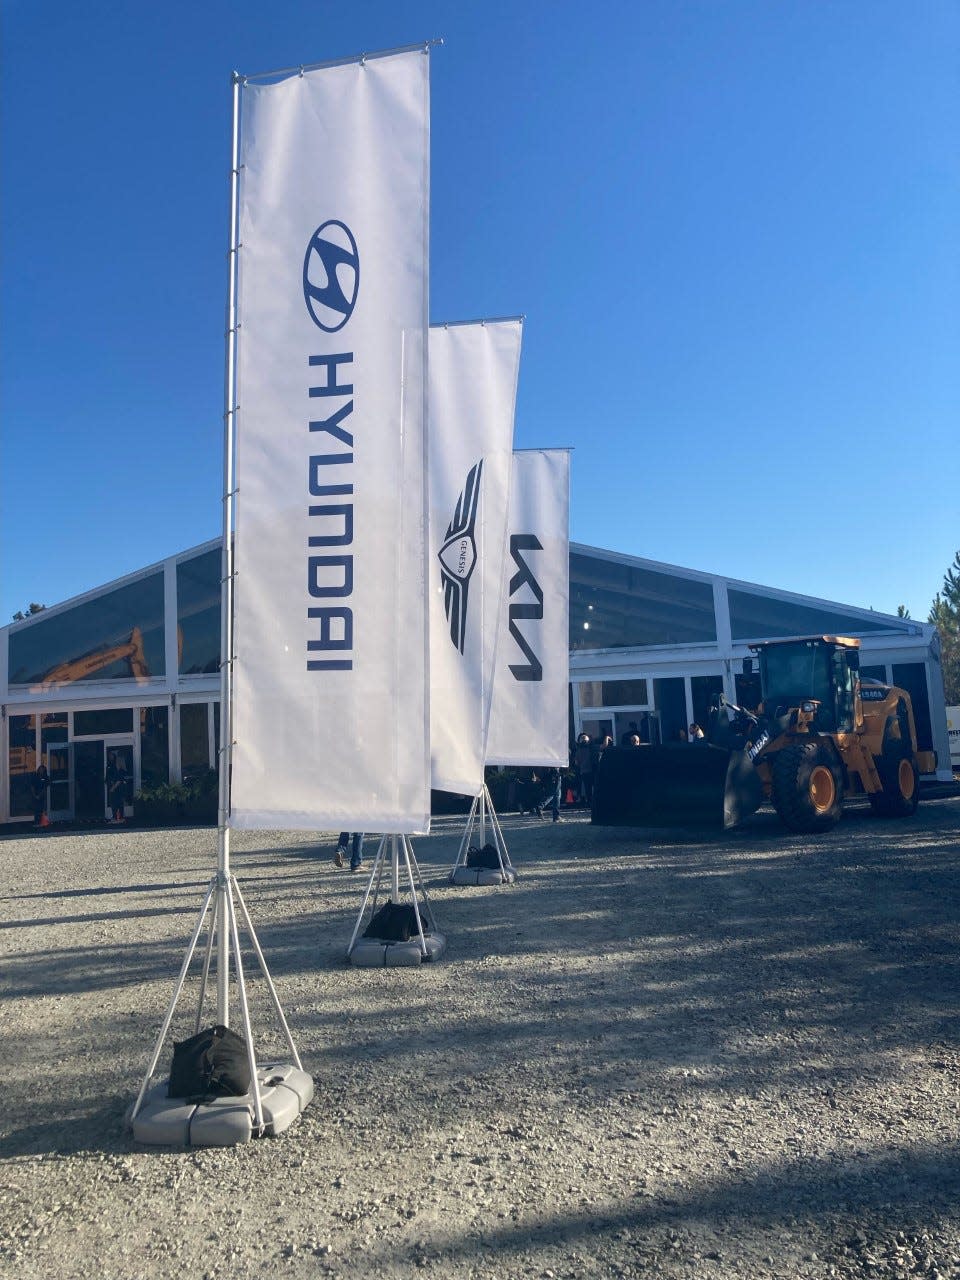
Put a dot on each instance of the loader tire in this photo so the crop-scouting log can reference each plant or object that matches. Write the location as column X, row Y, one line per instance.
column 900, row 779
column 807, row 788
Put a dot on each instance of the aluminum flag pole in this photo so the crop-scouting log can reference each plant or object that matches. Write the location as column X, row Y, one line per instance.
column 226, row 620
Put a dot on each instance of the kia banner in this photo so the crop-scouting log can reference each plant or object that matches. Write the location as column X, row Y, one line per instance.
column 330, row 689
column 473, row 385
column 528, row 720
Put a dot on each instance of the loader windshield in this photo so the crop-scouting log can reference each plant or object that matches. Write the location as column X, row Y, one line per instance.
column 792, row 673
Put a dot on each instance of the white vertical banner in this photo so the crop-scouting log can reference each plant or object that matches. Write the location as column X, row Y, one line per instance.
column 473, row 387
column 528, row 720
column 330, row 690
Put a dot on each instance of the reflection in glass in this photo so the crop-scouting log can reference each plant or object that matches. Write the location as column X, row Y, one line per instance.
column 705, row 692
column 615, row 605
column 874, row 673
column 624, row 693
column 89, row 724
column 597, row 730
column 590, row 693
column 749, row 693
column 670, row 699
column 194, row 740
column 198, row 613
column 115, row 636
column 53, row 728
column 23, row 763
column 912, row 676
column 54, row 732
column 58, row 762
column 756, row 617
column 154, row 746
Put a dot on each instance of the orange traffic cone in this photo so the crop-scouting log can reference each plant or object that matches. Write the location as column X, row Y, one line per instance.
column 44, row 820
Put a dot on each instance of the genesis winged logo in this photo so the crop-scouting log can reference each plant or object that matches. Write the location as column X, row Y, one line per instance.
column 331, row 275
column 458, row 557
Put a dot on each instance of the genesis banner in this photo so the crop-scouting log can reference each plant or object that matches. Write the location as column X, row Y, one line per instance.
column 528, row 721
column 473, row 386
column 330, row 697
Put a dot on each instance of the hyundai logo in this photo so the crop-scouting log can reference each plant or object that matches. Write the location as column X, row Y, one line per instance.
column 331, row 276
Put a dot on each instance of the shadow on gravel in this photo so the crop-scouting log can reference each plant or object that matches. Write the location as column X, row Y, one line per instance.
column 904, row 1184
column 752, row 962
column 103, row 890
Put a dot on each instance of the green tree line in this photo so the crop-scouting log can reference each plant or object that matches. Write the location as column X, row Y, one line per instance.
column 945, row 615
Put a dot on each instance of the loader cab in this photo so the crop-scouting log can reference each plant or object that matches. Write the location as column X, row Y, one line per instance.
column 817, row 668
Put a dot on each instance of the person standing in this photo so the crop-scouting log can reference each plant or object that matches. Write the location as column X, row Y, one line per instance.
column 38, row 788
column 584, row 763
column 356, row 855
column 116, row 781
column 554, row 781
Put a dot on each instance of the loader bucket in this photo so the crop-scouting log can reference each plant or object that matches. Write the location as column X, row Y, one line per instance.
column 678, row 785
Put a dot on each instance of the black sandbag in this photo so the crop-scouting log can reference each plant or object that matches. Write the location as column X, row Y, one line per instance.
column 211, row 1064
column 485, row 857
column 394, row 922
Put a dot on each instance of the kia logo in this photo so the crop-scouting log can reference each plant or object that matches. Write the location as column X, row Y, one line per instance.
column 331, row 276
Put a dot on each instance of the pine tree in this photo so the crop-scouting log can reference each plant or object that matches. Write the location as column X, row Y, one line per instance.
column 19, row 616
column 951, row 586
column 945, row 615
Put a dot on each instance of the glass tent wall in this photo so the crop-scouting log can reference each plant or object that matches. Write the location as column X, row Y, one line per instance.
column 134, row 667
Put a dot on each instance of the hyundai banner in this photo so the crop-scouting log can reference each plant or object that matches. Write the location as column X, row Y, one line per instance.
column 330, row 692
column 473, row 384
column 528, row 721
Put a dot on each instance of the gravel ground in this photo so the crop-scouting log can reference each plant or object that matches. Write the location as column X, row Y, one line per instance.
column 652, row 1056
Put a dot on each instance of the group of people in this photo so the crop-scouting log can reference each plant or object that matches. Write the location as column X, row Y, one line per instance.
column 538, row 789
column 585, row 761
column 115, row 781
column 693, row 734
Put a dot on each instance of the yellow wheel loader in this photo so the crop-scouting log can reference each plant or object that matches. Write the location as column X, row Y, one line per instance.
column 819, row 735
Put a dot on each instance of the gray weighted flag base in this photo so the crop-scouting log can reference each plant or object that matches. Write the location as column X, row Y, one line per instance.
column 277, row 1093
column 427, row 943
column 372, row 953
column 482, row 814
column 482, row 875
column 223, row 1122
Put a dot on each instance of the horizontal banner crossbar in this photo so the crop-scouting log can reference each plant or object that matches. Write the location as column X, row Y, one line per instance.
column 338, row 62
column 454, row 324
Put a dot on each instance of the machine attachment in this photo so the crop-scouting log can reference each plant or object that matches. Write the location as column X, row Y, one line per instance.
column 680, row 784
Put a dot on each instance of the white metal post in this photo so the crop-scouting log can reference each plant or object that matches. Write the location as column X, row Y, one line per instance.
column 394, row 870
column 226, row 619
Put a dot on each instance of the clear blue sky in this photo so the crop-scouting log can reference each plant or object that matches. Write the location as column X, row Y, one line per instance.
column 732, row 227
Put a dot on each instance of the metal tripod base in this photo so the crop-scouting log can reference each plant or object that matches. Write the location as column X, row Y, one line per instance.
column 482, row 812
column 379, row 953
column 278, row 1092
column 223, row 1122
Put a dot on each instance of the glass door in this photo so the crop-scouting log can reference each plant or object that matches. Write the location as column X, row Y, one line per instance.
column 638, row 721
column 89, row 770
column 120, row 754
column 60, row 795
